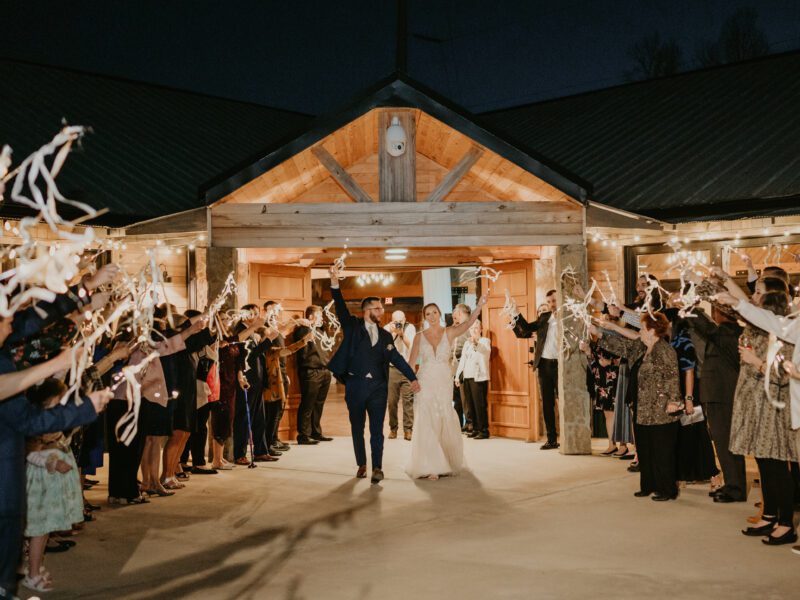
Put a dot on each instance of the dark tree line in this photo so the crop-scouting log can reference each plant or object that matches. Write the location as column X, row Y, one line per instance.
column 740, row 38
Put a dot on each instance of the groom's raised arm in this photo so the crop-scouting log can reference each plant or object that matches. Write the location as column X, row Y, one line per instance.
column 400, row 363
column 340, row 306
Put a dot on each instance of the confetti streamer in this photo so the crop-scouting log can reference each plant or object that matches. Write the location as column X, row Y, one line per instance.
column 127, row 426
column 510, row 310
column 479, row 273
column 773, row 360
column 229, row 288
column 327, row 342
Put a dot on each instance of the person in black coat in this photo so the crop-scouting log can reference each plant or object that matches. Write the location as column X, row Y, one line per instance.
column 717, row 388
column 545, row 362
column 362, row 362
column 315, row 381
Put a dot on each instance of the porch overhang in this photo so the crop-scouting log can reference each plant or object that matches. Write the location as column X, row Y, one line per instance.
column 393, row 224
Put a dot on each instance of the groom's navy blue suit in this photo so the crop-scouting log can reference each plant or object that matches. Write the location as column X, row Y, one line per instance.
column 364, row 369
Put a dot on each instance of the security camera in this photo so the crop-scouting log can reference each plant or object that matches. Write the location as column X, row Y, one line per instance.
column 395, row 138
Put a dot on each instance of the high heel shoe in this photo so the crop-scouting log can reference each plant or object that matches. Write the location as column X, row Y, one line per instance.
column 761, row 531
column 790, row 537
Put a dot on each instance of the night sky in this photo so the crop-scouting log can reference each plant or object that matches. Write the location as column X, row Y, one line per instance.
column 313, row 57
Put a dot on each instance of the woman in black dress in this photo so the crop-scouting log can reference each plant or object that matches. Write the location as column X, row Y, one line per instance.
column 602, row 374
column 696, row 461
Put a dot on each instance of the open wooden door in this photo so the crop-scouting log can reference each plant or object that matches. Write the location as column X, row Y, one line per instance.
column 513, row 393
column 291, row 287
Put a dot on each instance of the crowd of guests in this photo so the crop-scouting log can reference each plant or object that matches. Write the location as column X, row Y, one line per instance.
column 211, row 399
column 681, row 391
column 689, row 390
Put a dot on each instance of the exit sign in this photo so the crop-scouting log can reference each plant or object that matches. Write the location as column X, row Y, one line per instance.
column 388, row 301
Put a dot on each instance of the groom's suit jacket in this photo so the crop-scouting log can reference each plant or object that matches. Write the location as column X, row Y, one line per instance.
column 350, row 359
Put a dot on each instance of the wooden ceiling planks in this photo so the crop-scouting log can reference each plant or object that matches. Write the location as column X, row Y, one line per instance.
column 355, row 146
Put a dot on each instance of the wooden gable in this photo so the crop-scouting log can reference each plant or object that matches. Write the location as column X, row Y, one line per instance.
column 302, row 178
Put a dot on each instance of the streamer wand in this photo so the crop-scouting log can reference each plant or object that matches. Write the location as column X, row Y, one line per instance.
column 252, row 464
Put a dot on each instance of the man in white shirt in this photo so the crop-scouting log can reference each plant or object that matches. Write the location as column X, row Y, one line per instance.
column 399, row 387
column 545, row 361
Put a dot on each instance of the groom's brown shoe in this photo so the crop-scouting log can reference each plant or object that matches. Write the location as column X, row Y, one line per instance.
column 377, row 476
column 393, row 434
column 407, row 435
column 362, row 472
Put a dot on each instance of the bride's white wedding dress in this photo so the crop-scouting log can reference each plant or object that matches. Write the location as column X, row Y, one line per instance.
column 437, row 447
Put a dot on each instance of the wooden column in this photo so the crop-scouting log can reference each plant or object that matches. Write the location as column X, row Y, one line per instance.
column 220, row 262
column 574, row 407
column 398, row 174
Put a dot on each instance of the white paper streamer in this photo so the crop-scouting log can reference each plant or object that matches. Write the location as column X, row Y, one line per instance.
column 773, row 360
column 127, row 426
column 510, row 310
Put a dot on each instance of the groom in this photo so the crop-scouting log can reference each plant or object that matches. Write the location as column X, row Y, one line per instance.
column 362, row 364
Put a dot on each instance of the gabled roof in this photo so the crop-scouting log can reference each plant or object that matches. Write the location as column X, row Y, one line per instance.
column 152, row 147
column 720, row 143
column 400, row 91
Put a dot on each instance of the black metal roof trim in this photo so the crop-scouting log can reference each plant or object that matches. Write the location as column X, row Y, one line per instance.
column 401, row 92
column 730, row 210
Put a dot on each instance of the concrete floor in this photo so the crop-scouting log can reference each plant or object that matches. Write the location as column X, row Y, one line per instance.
column 522, row 524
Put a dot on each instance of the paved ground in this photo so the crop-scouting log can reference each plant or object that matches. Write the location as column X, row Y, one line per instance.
column 522, row 524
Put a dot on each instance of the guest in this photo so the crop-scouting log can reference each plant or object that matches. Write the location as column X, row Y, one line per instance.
column 53, row 491
column 18, row 418
column 473, row 367
column 603, row 369
column 315, row 380
column 717, row 388
column 399, row 386
column 763, row 430
column 249, row 392
column 277, row 381
column 222, row 414
column 762, row 425
column 202, row 361
column 696, row 461
column 657, row 400
column 155, row 418
column 461, row 312
column 545, row 362
column 181, row 378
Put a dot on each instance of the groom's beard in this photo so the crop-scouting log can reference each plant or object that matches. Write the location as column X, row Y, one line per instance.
column 373, row 319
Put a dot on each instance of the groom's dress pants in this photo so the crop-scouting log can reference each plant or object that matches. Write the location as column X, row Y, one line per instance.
column 366, row 397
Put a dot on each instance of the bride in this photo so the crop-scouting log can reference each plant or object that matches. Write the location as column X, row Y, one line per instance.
column 436, row 447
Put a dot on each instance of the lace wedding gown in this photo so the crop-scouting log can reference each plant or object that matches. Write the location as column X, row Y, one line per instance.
column 437, row 447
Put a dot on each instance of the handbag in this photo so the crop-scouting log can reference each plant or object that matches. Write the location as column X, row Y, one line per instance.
column 697, row 416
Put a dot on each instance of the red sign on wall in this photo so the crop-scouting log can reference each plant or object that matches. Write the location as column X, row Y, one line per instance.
column 388, row 300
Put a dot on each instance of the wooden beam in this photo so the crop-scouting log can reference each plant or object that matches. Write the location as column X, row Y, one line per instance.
column 253, row 238
column 342, row 177
column 193, row 220
column 455, row 175
column 397, row 175
column 411, row 224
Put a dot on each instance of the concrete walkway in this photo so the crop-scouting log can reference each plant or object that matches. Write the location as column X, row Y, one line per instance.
column 522, row 524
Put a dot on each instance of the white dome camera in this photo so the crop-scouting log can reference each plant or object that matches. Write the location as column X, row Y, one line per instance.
column 395, row 138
